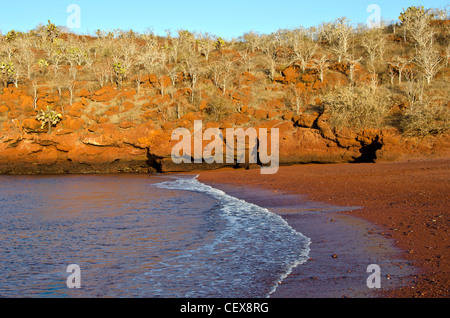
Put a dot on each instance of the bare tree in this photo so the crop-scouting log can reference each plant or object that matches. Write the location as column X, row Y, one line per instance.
column 413, row 88
column 221, row 72
column 194, row 68
column 26, row 58
column 269, row 49
column 34, row 90
column 56, row 59
column 247, row 59
column 416, row 23
column 447, row 55
column 173, row 73
column 297, row 93
column 374, row 44
column 102, row 71
column 8, row 49
column 352, row 62
column 70, row 84
column 429, row 60
column 124, row 57
column 321, row 63
column 338, row 35
column 205, row 43
column 399, row 63
column 304, row 50
column 253, row 39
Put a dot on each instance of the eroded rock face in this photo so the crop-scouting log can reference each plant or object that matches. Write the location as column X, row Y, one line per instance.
column 111, row 131
column 143, row 148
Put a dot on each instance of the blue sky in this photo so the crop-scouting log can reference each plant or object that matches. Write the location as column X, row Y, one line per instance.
column 229, row 18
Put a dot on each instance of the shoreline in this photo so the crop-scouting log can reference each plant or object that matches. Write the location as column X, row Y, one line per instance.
column 403, row 204
column 331, row 233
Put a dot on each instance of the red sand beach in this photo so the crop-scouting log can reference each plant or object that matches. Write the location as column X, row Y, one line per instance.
column 403, row 203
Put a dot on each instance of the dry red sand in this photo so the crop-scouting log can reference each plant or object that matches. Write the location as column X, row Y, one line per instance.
column 409, row 200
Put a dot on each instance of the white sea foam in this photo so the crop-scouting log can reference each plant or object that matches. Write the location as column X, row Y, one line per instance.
column 260, row 246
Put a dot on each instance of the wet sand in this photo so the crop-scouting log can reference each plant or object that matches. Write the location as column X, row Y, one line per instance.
column 394, row 215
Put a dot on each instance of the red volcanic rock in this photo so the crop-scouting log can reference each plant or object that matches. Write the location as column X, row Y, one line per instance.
column 306, row 120
column 169, row 125
column 27, row 102
column 191, row 117
column 105, row 155
column 165, row 81
column 127, row 94
column 100, row 141
column 368, row 136
column 153, row 79
column 309, row 78
column 308, row 145
column 275, row 104
column 4, row 109
column 211, row 125
column 48, row 155
column 204, row 104
column 76, row 110
column 83, row 93
column 325, row 128
column 158, row 142
column 286, row 129
column 126, row 124
column 182, row 92
column 72, row 124
column 127, row 106
column 31, row 125
column 261, row 114
column 272, row 114
column 250, row 111
column 291, row 74
column 238, row 119
column 65, row 143
column 19, row 150
column 288, row 115
column 133, row 135
column 246, row 79
column 395, row 147
column 105, row 94
column 347, row 138
column 269, row 124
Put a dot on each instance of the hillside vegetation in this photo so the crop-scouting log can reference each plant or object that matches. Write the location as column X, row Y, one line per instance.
column 338, row 92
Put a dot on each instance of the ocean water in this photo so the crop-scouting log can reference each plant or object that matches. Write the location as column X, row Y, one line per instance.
column 139, row 236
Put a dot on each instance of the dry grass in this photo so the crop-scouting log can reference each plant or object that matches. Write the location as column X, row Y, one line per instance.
column 430, row 116
column 357, row 107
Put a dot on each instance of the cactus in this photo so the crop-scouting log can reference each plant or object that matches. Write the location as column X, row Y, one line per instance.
column 43, row 66
column 48, row 118
column 220, row 43
column 7, row 72
column 120, row 72
column 411, row 13
column 12, row 35
column 52, row 31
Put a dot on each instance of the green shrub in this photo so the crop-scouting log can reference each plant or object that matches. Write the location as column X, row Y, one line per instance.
column 48, row 118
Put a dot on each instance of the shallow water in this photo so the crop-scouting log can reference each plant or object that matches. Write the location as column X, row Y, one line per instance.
column 139, row 236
